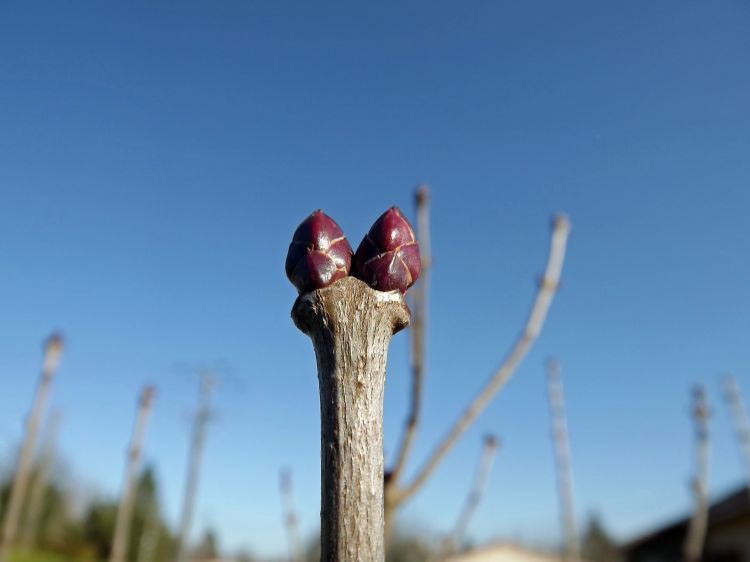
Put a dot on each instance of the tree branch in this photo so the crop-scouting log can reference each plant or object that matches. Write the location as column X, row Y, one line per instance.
column 537, row 315
column 741, row 422
column 489, row 451
column 561, row 445
column 696, row 535
column 419, row 316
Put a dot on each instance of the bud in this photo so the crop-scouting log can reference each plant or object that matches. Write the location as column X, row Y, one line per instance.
column 319, row 254
column 388, row 256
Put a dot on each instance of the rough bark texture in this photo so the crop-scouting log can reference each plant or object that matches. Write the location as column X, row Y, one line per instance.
column 351, row 325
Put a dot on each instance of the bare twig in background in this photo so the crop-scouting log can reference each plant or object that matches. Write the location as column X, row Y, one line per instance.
column 489, row 450
column 52, row 352
column 561, row 444
column 125, row 508
column 30, row 533
column 740, row 420
column 547, row 288
column 696, row 535
column 290, row 516
column 351, row 326
column 418, row 322
column 196, row 452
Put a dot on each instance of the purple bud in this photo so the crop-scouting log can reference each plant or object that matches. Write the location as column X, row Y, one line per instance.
column 388, row 256
column 319, row 254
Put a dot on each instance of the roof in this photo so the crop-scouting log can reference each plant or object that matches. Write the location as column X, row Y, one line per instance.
column 728, row 508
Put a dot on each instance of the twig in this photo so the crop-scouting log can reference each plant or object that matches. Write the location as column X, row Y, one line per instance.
column 52, row 353
column 696, row 535
column 546, row 291
column 740, row 420
column 561, row 445
column 194, row 463
column 30, row 533
column 418, row 323
column 489, row 451
column 351, row 326
column 119, row 551
column 290, row 516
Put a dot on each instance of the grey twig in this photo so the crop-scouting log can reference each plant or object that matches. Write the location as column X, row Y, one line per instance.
column 547, row 288
column 120, row 542
column 489, row 450
column 52, row 353
column 561, row 445
column 696, row 535
column 194, row 463
column 741, row 422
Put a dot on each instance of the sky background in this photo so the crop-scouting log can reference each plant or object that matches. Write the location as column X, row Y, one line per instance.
column 156, row 157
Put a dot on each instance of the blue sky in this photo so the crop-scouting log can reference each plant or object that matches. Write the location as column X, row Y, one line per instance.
column 155, row 159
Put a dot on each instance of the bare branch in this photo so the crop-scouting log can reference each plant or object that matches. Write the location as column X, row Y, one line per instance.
column 120, row 542
column 489, row 450
column 537, row 315
column 740, row 420
column 696, row 535
column 202, row 416
column 30, row 531
column 561, row 445
column 52, row 353
column 290, row 516
column 419, row 320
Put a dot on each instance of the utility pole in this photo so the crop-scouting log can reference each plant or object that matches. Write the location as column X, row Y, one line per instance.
column 696, row 536
column 52, row 352
column 125, row 509
column 561, row 443
column 30, row 531
column 740, row 420
column 202, row 417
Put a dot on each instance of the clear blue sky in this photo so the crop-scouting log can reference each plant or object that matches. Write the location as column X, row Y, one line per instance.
column 155, row 159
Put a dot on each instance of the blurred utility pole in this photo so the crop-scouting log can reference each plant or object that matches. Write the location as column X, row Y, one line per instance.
column 741, row 422
column 561, row 444
column 125, row 509
column 196, row 451
column 52, row 352
column 290, row 517
column 46, row 458
column 696, row 536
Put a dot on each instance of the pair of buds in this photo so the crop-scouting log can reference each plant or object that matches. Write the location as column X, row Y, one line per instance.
column 387, row 259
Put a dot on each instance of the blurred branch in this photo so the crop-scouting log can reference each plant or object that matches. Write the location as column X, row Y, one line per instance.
column 489, row 450
column 30, row 533
column 418, row 321
column 120, row 542
column 561, row 445
column 740, row 420
column 52, row 353
column 547, row 288
column 290, row 516
column 696, row 536
column 202, row 416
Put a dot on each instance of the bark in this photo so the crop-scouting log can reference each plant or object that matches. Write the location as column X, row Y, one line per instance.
column 351, row 325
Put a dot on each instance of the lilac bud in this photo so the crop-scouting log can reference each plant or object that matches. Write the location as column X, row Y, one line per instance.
column 388, row 256
column 319, row 254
